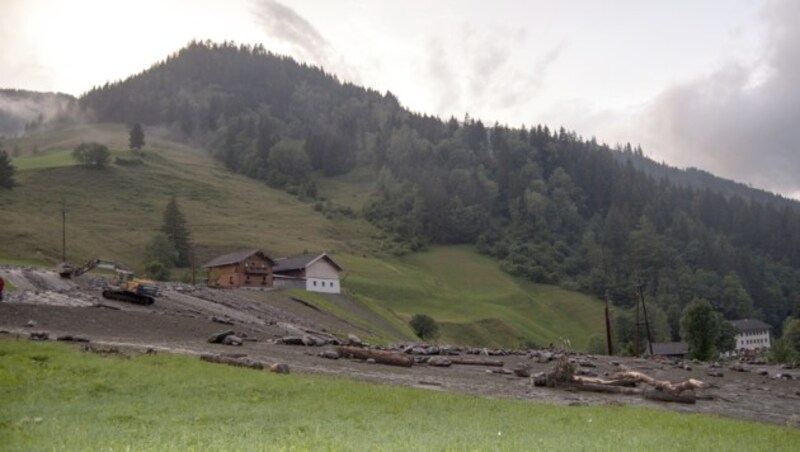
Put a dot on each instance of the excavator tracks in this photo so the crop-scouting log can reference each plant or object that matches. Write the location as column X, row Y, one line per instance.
column 128, row 297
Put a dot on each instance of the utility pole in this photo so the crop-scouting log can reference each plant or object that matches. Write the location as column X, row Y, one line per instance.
column 636, row 344
column 646, row 321
column 191, row 258
column 63, row 230
column 608, row 329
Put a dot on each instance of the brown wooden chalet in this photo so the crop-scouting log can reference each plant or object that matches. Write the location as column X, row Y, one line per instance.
column 248, row 268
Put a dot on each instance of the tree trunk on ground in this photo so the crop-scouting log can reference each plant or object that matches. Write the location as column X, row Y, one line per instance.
column 380, row 356
column 238, row 362
column 465, row 361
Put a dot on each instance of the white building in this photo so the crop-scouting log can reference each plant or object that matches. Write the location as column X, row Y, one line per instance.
column 312, row 272
column 751, row 334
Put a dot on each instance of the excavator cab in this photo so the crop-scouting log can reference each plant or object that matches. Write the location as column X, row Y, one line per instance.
column 125, row 280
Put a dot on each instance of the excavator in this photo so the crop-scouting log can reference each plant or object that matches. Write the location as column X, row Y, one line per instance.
column 124, row 286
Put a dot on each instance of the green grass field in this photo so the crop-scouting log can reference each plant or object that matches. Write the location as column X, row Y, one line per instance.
column 472, row 300
column 53, row 159
column 53, row 397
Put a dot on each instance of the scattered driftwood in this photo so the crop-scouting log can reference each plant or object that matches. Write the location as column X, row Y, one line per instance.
column 563, row 376
column 467, row 361
column 380, row 356
column 231, row 361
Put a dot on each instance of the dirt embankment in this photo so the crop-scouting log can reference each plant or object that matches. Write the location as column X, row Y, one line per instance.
column 183, row 318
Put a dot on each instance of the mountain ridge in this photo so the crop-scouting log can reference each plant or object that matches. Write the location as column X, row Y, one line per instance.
column 546, row 204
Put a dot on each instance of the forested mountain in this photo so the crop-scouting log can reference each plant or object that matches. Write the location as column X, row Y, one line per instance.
column 547, row 204
column 22, row 110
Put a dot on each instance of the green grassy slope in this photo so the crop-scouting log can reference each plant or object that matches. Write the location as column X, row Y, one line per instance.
column 53, row 397
column 473, row 300
column 113, row 214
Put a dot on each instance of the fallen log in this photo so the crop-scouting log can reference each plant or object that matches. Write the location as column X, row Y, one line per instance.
column 74, row 338
column 662, row 385
column 601, row 381
column 231, row 361
column 380, row 356
column 687, row 396
column 466, row 361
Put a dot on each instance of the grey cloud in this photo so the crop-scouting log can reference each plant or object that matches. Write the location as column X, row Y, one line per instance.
column 308, row 44
column 741, row 121
column 282, row 22
column 483, row 71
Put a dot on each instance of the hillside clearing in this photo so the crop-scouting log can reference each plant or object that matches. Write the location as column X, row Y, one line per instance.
column 473, row 299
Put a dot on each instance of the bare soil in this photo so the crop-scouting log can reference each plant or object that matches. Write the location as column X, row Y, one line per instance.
column 183, row 317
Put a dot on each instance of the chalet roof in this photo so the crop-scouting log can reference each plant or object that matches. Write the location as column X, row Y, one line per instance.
column 670, row 348
column 749, row 325
column 234, row 258
column 286, row 264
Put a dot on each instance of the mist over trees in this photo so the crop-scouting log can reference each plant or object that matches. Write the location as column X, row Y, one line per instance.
column 549, row 205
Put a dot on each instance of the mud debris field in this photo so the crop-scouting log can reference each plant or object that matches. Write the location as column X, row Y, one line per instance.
column 184, row 317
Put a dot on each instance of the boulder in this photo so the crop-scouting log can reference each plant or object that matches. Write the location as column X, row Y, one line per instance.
column 291, row 340
column 39, row 336
column 232, row 339
column 330, row 354
column 522, row 371
column 352, row 339
column 439, row 361
column 74, row 338
column 217, row 338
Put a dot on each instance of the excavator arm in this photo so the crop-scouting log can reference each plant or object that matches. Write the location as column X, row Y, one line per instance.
column 67, row 271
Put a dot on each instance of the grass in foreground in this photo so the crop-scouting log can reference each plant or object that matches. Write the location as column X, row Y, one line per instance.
column 57, row 398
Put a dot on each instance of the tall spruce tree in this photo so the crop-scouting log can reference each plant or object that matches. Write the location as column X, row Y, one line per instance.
column 6, row 171
column 136, row 137
column 175, row 228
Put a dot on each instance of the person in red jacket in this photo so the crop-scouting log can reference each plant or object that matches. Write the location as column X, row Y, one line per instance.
column 2, row 286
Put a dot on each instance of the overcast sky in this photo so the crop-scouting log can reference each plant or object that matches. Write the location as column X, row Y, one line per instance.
column 713, row 84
